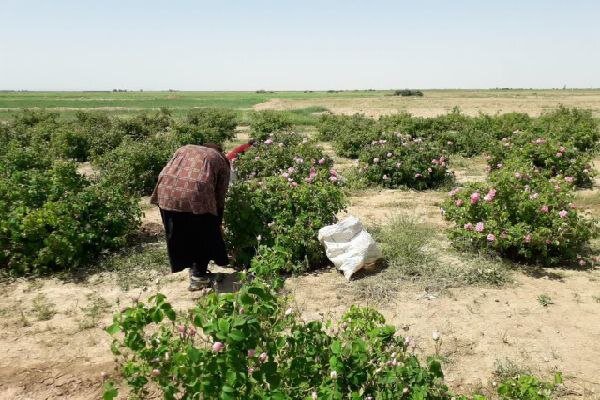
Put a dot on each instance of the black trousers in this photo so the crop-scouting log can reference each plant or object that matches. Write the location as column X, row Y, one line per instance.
column 193, row 240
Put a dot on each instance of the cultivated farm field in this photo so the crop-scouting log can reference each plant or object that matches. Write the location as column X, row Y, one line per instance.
column 487, row 223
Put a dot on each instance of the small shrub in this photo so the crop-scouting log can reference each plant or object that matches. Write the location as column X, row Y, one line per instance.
column 405, row 162
column 71, row 143
column 43, row 309
column 549, row 157
column 144, row 124
column 357, row 132
column 544, row 300
column 207, row 125
column 283, row 153
column 55, row 219
column 272, row 211
column 135, row 165
column 244, row 345
column 99, row 130
column 262, row 123
column 408, row 92
column 527, row 387
column 575, row 126
column 521, row 215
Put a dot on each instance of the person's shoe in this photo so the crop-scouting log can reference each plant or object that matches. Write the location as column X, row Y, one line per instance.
column 199, row 283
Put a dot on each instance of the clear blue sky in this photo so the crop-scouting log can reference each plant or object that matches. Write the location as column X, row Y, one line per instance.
column 297, row 45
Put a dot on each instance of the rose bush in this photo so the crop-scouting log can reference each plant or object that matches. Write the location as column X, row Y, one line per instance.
column 547, row 155
column 286, row 154
column 522, row 215
column 55, row 219
column 134, row 166
column 287, row 190
column 405, row 162
column 569, row 126
column 273, row 211
column 207, row 125
column 262, row 123
column 251, row 345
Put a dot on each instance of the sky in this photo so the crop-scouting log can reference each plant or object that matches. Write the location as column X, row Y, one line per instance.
column 298, row 45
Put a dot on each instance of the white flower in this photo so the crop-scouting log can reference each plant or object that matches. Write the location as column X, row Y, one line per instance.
column 435, row 335
column 333, row 374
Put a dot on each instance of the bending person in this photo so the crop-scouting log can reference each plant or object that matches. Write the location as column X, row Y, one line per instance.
column 191, row 193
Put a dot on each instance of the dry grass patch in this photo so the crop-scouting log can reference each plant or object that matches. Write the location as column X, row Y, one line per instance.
column 418, row 254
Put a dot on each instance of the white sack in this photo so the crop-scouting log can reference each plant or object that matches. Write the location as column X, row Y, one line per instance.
column 349, row 246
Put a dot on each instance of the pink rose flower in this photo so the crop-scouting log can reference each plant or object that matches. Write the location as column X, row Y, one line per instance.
column 491, row 237
column 294, row 184
column 468, row 226
column 527, row 238
column 269, row 141
column 544, row 209
column 559, row 154
column 322, row 161
column 490, row 195
column 454, row 192
column 479, row 227
column 475, row 196
column 563, row 213
column 459, row 203
column 251, row 353
column 569, row 179
column 333, row 179
column 285, row 174
column 217, row 347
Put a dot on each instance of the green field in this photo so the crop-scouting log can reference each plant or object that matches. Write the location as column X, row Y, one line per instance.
column 124, row 102
column 370, row 102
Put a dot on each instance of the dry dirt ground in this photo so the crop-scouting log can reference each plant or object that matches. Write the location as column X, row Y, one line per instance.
column 436, row 102
column 53, row 345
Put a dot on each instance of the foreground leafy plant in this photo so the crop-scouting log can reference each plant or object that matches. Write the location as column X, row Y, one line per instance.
column 251, row 345
column 248, row 345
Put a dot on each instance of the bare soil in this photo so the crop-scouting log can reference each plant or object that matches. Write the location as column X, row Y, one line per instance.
column 54, row 346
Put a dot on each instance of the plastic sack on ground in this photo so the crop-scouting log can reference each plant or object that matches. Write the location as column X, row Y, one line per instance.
column 349, row 246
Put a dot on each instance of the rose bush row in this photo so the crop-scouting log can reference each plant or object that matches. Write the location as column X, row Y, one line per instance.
column 55, row 219
column 460, row 134
column 91, row 134
column 252, row 345
column 522, row 215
